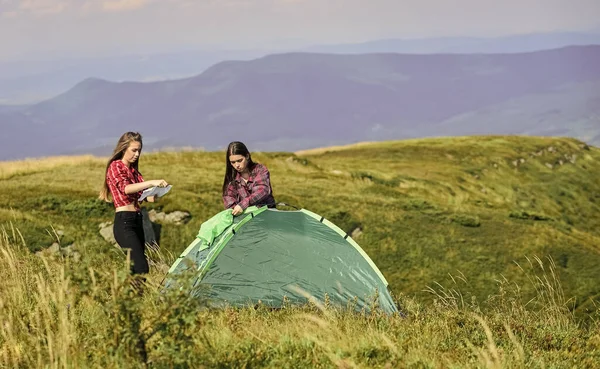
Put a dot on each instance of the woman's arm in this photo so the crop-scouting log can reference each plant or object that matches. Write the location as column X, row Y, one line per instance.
column 230, row 198
column 141, row 186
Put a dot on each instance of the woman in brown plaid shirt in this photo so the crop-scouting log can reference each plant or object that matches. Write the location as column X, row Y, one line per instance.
column 246, row 183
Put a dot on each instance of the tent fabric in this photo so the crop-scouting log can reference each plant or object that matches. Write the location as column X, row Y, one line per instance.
column 216, row 225
column 266, row 254
column 191, row 257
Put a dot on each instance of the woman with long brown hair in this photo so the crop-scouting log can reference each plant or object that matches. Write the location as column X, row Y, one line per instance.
column 246, row 183
column 123, row 186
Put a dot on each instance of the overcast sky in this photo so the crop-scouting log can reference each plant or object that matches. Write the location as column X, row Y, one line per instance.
column 47, row 28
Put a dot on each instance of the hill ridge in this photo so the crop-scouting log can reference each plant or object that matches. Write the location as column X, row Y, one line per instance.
column 295, row 102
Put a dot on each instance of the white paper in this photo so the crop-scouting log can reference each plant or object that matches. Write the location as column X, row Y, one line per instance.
column 155, row 191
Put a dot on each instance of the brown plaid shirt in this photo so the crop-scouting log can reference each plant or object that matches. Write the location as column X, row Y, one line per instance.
column 257, row 191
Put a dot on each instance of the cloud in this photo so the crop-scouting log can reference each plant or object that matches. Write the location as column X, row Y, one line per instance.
column 11, row 14
column 14, row 8
column 39, row 7
column 123, row 5
column 17, row 8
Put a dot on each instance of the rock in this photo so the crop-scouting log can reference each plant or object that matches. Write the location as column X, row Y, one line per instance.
column 155, row 216
column 518, row 162
column 106, row 231
column 337, row 172
column 176, row 217
column 356, row 233
column 54, row 248
column 560, row 162
column 297, row 160
column 104, row 225
column 495, row 165
column 573, row 158
column 549, row 165
column 70, row 251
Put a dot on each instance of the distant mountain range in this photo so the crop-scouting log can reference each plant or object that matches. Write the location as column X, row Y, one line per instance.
column 24, row 82
column 302, row 100
column 467, row 45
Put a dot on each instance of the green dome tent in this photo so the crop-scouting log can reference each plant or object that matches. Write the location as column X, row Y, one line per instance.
column 266, row 254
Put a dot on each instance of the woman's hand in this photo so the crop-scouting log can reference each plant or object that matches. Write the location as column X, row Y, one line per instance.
column 237, row 210
column 159, row 183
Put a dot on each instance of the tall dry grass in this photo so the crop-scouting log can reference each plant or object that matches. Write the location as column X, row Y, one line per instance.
column 9, row 169
column 60, row 314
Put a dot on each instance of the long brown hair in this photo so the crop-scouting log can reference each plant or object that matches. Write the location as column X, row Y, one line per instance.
column 126, row 139
column 235, row 148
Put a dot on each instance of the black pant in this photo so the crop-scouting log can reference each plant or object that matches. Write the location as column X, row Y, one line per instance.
column 129, row 233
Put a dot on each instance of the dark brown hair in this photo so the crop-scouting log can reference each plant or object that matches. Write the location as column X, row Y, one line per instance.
column 235, row 148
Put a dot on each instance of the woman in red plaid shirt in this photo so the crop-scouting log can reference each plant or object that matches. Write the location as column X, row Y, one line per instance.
column 124, row 183
column 246, row 183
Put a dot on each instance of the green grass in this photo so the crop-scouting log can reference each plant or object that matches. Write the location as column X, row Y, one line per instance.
column 58, row 313
column 463, row 213
column 426, row 208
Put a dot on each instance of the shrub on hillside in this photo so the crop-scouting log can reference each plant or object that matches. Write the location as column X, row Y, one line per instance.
column 523, row 214
column 393, row 182
column 465, row 220
column 417, row 204
column 90, row 207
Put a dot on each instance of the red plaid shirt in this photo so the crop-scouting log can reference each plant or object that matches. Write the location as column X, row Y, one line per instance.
column 118, row 176
column 257, row 191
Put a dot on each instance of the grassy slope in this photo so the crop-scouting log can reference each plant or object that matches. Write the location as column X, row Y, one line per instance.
column 428, row 209
column 83, row 315
column 413, row 189
column 406, row 197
